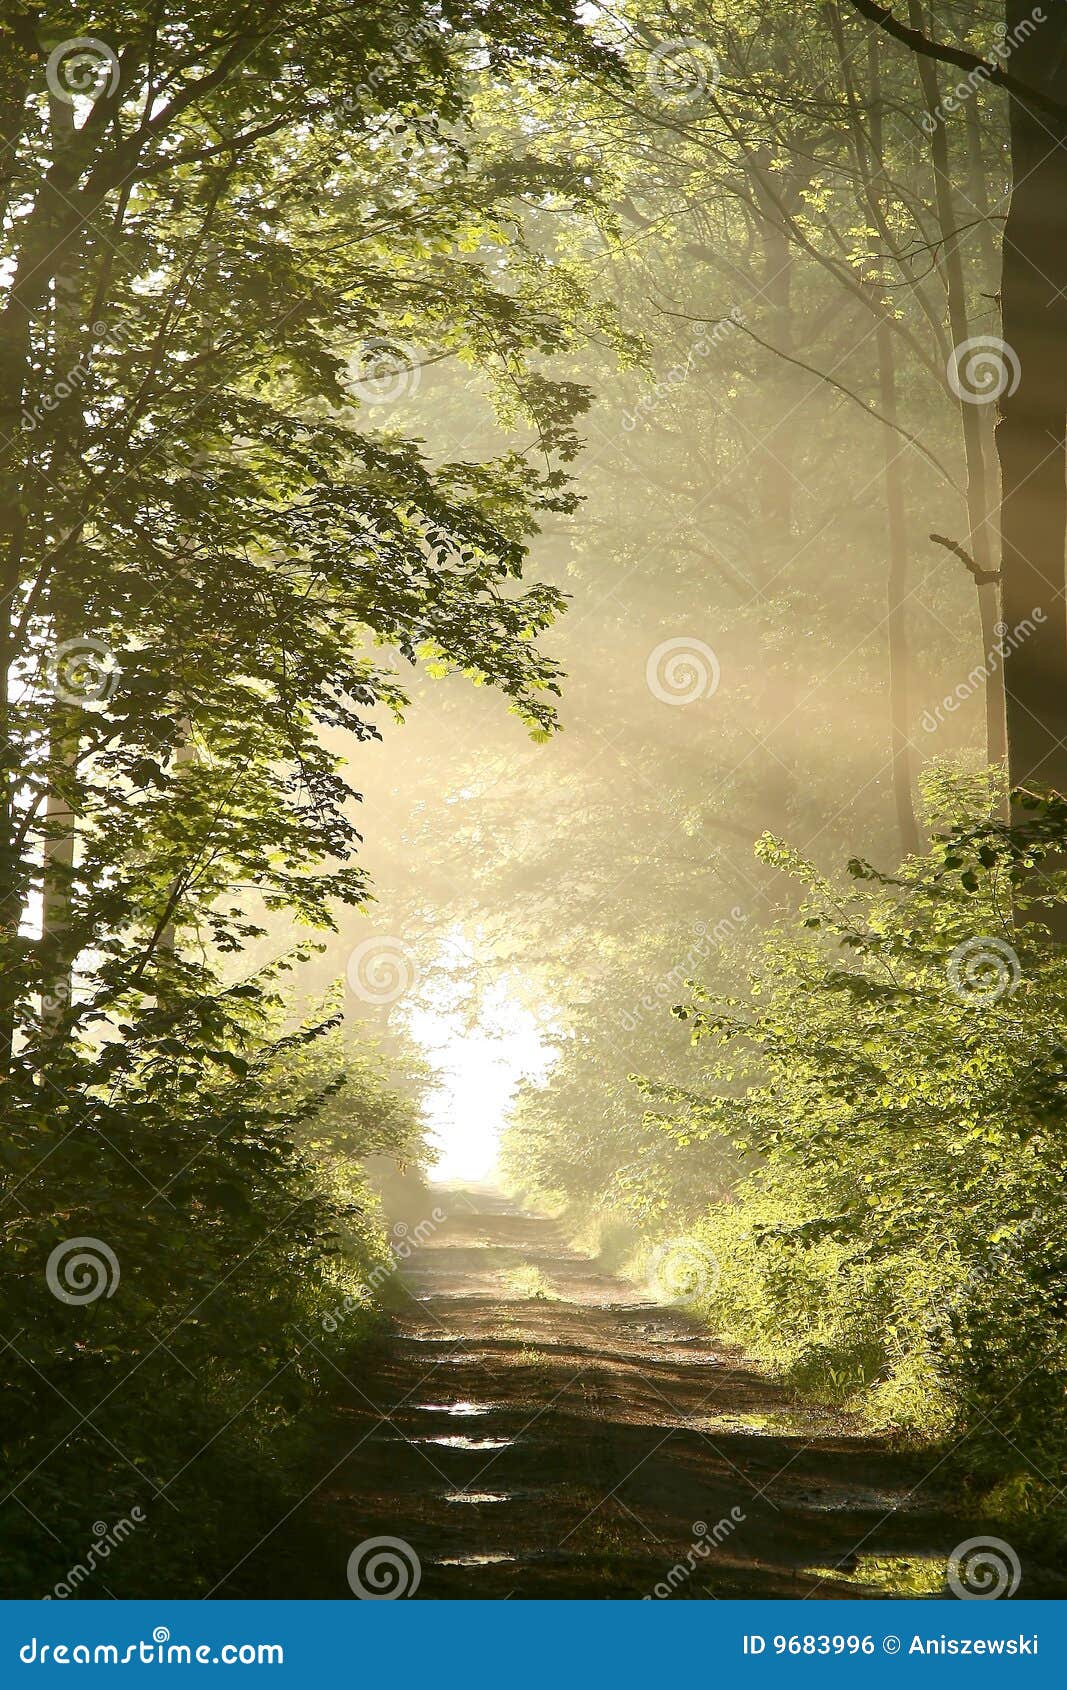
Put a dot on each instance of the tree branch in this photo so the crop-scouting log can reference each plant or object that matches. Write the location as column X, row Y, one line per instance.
column 959, row 56
column 982, row 577
column 831, row 381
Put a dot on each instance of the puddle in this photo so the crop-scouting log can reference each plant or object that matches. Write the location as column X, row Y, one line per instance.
column 460, row 1408
column 751, row 1425
column 478, row 1496
column 915, row 1576
column 473, row 1560
column 831, row 1499
column 456, row 1440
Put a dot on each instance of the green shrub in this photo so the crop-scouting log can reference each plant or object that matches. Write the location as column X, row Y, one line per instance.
column 169, row 1364
column 894, row 1088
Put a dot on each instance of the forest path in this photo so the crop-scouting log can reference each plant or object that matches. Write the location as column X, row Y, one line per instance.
column 576, row 1444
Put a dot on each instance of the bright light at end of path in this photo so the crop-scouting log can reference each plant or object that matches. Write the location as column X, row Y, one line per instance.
column 479, row 1070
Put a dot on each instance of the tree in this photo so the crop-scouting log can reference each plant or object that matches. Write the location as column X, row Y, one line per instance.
column 1030, row 371
column 203, row 541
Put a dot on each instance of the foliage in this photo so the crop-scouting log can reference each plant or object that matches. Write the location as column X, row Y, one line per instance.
column 218, row 531
column 896, row 1077
column 183, row 1386
column 228, row 235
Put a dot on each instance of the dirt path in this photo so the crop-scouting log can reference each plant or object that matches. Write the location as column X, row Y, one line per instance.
column 586, row 1444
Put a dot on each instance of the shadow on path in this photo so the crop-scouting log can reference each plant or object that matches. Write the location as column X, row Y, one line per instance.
column 580, row 1443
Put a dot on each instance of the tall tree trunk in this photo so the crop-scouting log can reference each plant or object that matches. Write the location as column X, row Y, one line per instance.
column 1030, row 434
column 979, row 505
column 64, row 731
column 870, row 167
column 896, row 600
column 978, row 195
column 781, row 692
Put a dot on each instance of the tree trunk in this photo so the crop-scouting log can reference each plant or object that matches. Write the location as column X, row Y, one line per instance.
column 1030, row 434
column 64, row 731
column 979, row 509
column 781, row 691
column 896, row 601
column 869, row 168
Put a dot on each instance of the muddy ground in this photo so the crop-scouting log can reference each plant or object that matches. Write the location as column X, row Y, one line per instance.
column 580, row 1442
